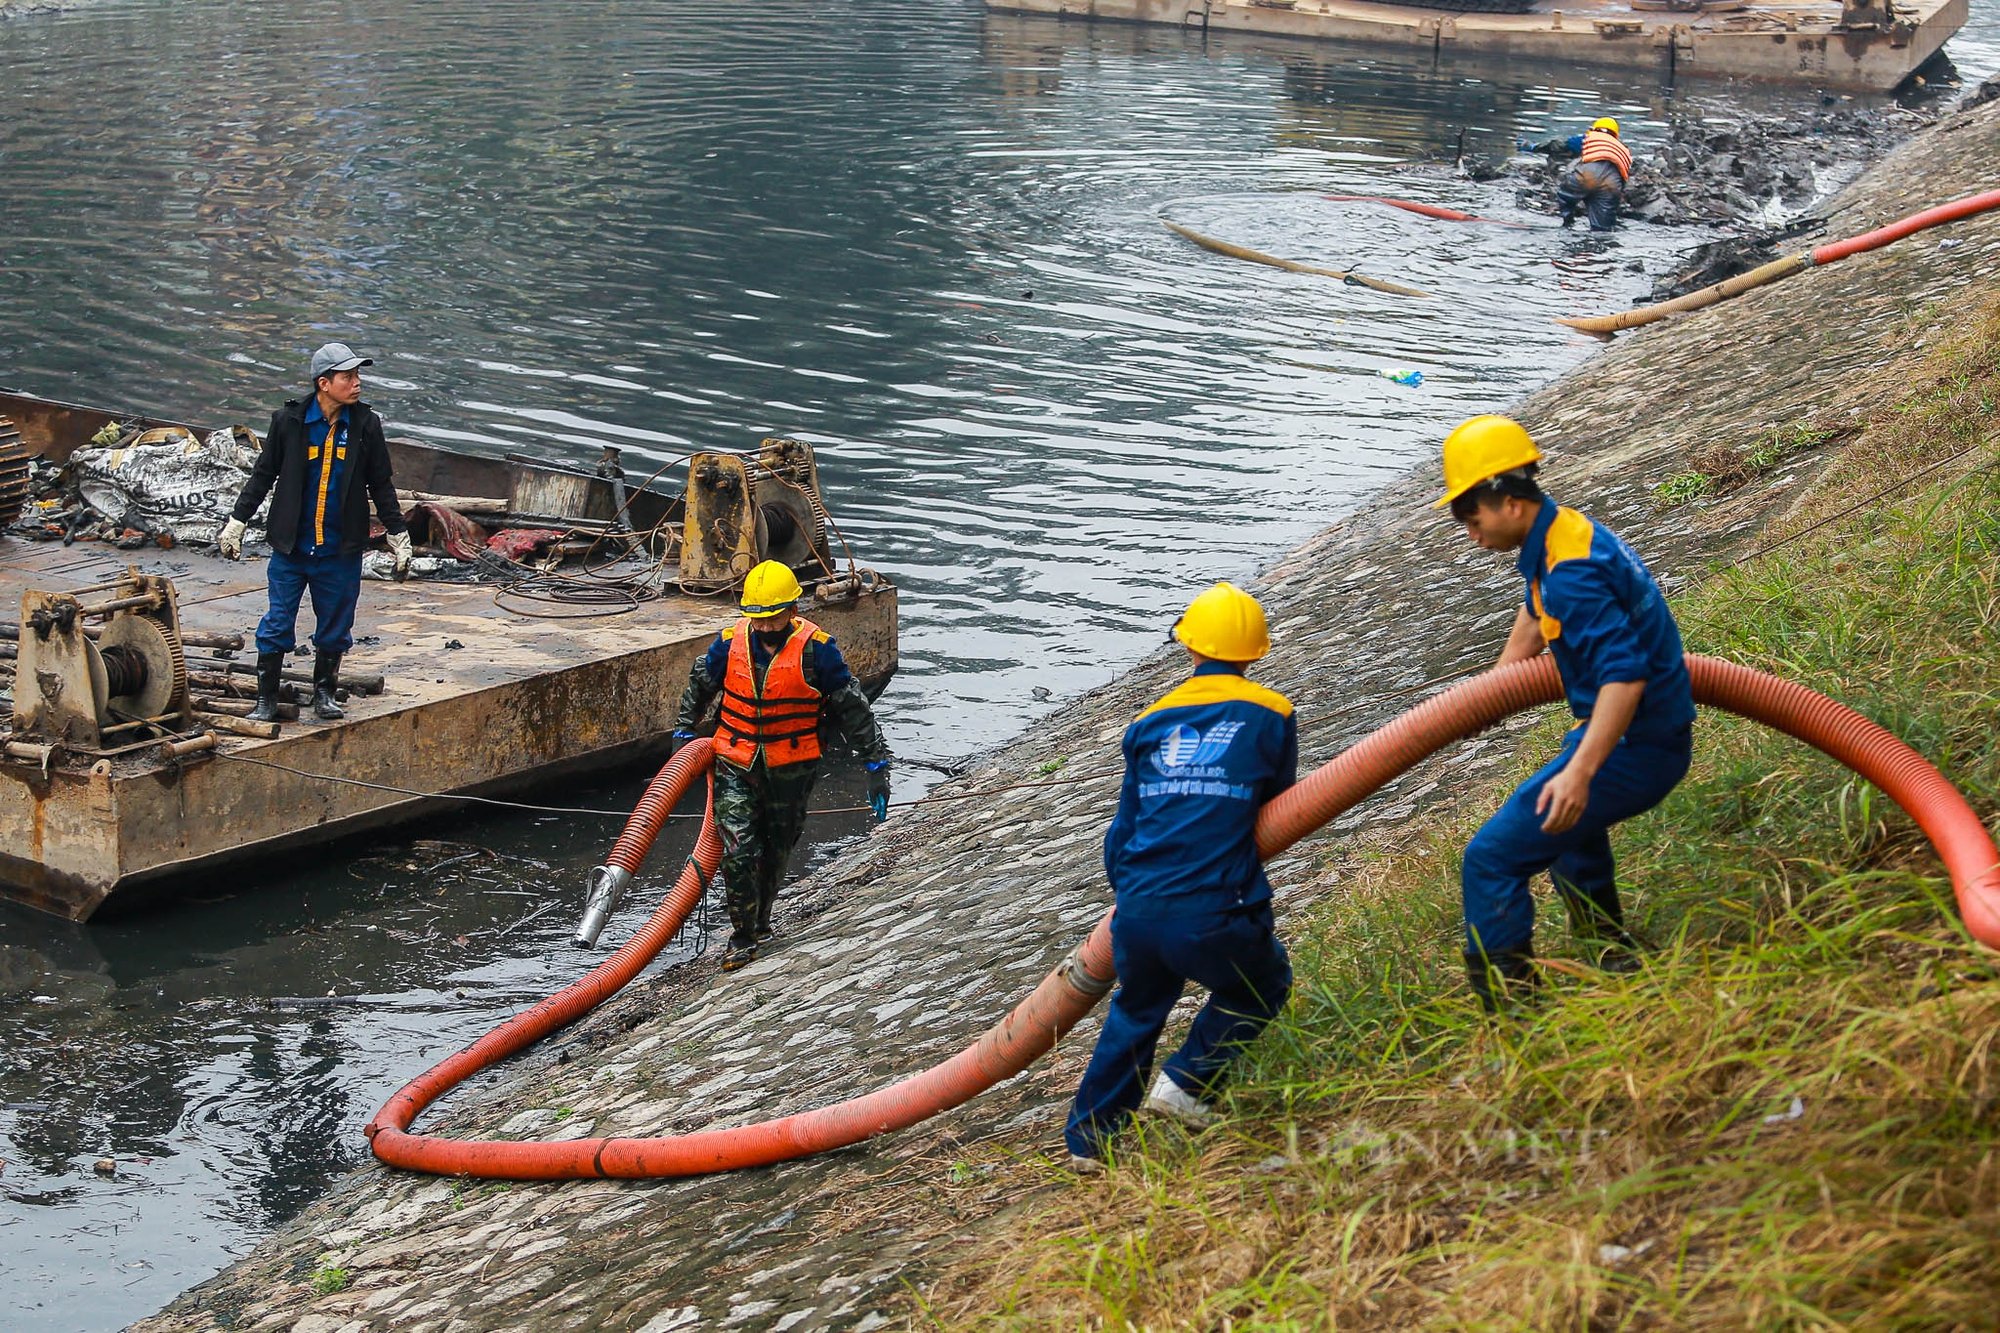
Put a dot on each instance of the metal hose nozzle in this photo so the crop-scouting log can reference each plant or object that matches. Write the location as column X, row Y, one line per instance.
column 607, row 886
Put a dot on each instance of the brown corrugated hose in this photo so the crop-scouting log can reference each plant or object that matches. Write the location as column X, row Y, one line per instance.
column 1778, row 269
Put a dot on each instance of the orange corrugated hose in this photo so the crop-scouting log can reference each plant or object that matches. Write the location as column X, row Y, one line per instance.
column 1438, row 211
column 1066, row 994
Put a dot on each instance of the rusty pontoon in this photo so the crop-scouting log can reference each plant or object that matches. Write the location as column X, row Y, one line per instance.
column 1848, row 45
column 117, row 783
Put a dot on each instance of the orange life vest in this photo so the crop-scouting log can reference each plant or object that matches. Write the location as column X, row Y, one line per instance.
column 781, row 718
column 1603, row 146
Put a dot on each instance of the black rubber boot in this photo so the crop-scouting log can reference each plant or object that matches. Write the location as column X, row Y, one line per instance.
column 1620, row 953
column 1503, row 981
column 326, row 675
column 1597, row 924
column 270, row 670
column 740, row 953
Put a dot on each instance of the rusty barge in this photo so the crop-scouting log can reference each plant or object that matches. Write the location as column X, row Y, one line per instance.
column 124, row 776
column 1843, row 45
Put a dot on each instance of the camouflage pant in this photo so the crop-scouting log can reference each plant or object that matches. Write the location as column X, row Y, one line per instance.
column 760, row 813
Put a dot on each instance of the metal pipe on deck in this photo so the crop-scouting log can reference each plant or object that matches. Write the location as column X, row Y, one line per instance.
column 164, row 719
column 360, row 684
column 181, row 749
column 228, row 643
column 287, row 712
column 145, row 601
column 239, row 726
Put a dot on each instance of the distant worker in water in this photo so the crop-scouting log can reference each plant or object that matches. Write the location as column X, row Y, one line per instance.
column 1594, row 184
column 777, row 674
column 1192, row 902
column 326, row 456
column 1590, row 600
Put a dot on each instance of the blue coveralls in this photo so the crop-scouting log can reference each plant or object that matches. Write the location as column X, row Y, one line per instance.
column 315, row 562
column 1192, row 900
column 1605, row 621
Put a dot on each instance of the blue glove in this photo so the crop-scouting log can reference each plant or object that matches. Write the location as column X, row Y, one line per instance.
column 878, row 789
column 680, row 738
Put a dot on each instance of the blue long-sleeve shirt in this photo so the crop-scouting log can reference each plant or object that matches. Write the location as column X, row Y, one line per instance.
column 326, row 469
column 1605, row 620
column 1198, row 765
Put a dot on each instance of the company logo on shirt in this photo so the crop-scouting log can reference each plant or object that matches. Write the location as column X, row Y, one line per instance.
column 1189, row 759
column 1188, row 747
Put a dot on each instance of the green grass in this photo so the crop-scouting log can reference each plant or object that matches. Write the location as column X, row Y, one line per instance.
column 327, row 1281
column 1627, row 1154
column 1682, row 488
column 1727, row 465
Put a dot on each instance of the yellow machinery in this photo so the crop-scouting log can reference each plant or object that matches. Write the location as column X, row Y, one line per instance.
column 746, row 508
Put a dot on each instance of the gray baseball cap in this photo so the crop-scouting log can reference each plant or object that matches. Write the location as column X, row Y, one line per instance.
column 337, row 356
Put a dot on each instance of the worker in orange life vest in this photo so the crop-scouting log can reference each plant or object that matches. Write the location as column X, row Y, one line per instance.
column 1595, row 183
column 777, row 674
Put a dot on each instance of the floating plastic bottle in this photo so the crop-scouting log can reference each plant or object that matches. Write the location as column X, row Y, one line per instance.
column 1409, row 378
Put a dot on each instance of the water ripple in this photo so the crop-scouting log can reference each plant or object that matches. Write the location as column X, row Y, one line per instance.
column 925, row 239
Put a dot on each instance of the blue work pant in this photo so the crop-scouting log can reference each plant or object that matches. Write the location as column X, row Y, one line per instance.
column 1234, row 952
column 1594, row 189
column 1510, row 848
column 335, row 581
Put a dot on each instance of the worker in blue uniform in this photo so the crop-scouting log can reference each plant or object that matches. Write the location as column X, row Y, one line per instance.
column 1192, row 902
column 323, row 461
column 1588, row 599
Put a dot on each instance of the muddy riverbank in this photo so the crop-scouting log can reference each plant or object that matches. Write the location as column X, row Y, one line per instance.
column 897, row 955
column 1744, row 169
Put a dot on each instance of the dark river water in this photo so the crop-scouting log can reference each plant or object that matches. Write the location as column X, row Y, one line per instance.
column 925, row 239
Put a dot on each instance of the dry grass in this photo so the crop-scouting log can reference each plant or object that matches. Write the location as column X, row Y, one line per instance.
column 1790, row 1119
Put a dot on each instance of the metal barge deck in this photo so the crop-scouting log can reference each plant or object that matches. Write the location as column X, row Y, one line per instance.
column 1856, row 46
column 523, row 701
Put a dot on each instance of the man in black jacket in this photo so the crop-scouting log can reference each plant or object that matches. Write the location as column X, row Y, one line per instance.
column 315, row 453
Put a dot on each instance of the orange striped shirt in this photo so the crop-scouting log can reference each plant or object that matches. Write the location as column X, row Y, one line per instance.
column 1602, row 146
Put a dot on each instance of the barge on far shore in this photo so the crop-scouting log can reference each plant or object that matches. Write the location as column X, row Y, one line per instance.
column 451, row 690
column 1843, row 45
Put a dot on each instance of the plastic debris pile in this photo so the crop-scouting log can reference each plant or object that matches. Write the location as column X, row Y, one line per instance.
column 133, row 487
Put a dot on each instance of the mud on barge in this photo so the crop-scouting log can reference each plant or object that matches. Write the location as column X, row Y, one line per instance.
column 1848, row 45
column 126, row 773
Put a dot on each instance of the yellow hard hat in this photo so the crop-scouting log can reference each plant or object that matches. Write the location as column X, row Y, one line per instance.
column 1225, row 623
column 768, row 589
column 1481, row 449
column 1603, row 123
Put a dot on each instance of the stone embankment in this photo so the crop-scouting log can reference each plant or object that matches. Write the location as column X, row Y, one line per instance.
column 16, row 9
column 902, row 952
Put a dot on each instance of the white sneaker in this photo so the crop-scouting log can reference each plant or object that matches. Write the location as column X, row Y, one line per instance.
column 1086, row 1166
column 1169, row 1098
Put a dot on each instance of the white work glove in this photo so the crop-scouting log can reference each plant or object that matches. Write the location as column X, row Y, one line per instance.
column 230, row 543
column 399, row 547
